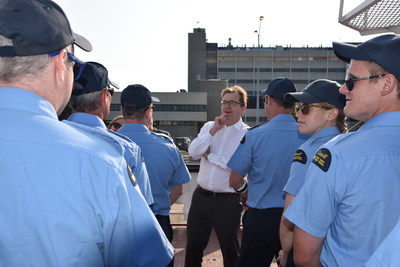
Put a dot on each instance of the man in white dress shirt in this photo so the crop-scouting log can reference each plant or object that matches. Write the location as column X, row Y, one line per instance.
column 214, row 203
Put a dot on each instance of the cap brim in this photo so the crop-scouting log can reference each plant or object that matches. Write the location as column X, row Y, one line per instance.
column 346, row 52
column 82, row 42
column 155, row 99
column 113, row 84
column 263, row 92
column 300, row 97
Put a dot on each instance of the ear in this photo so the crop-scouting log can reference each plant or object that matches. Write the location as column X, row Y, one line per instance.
column 59, row 65
column 103, row 96
column 332, row 114
column 390, row 84
column 244, row 108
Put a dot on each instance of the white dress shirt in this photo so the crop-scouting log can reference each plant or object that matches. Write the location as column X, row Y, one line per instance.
column 214, row 174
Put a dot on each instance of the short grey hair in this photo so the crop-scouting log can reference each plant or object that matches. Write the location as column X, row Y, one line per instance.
column 85, row 102
column 13, row 69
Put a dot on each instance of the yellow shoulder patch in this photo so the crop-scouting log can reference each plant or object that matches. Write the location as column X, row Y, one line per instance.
column 323, row 159
column 300, row 156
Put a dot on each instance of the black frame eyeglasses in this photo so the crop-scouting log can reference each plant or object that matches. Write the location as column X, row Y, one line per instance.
column 305, row 107
column 231, row 103
column 78, row 66
column 349, row 80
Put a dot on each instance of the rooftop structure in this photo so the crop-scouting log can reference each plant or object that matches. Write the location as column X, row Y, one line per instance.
column 373, row 17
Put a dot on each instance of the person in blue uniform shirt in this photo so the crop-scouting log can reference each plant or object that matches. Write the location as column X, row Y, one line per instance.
column 165, row 165
column 319, row 114
column 387, row 254
column 64, row 199
column 215, row 204
column 90, row 103
column 350, row 200
column 265, row 154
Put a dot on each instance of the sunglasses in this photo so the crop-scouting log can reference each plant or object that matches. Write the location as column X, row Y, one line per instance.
column 78, row 66
column 110, row 90
column 349, row 80
column 116, row 125
column 305, row 108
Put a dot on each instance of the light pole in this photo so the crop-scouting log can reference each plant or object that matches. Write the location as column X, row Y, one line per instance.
column 261, row 18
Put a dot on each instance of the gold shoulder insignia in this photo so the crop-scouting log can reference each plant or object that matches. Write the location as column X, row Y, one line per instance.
column 300, row 156
column 323, row 159
column 132, row 176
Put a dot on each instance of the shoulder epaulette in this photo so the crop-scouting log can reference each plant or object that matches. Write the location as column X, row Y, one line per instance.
column 251, row 128
column 164, row 136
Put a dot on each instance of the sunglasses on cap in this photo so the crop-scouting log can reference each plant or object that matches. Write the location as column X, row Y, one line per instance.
column 305, row 107
column 349, row 80
column 78, row 66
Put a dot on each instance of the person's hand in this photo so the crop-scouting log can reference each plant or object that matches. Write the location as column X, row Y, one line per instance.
column 281, row 260
column 206, row 153
column 219, row 123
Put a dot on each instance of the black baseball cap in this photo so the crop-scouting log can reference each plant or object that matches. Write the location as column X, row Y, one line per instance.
column 36, row 27
column 278, row 87
column 319, row 91
column 94, row 78
column 384, row 50
column 136, row 96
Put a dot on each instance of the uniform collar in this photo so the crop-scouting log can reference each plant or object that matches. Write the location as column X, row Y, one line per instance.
column 283, row 118
column 391, row 118
column 87, row 119
column 19, row 99
column 133, row 127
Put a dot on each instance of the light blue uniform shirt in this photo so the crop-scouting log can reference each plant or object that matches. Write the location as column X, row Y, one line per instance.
column 387, row 254
column 64, row 198
column 132, row 152
column 164, row 163
column 304, row 156
column 351, row 194
column 265, row 154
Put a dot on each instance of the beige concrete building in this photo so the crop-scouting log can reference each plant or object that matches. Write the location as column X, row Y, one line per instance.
column 212, row 68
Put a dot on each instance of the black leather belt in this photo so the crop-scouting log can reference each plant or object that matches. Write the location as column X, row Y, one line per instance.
column 213, row 194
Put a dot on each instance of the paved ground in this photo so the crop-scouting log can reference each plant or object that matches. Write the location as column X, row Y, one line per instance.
column 212, row 254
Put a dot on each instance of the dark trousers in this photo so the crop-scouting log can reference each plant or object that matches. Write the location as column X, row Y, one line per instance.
column 290, row 262
column 165, row 224
column 260, row 237
column 221, row 212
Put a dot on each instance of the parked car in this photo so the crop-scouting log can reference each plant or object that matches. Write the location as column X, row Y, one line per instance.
column 182, row 143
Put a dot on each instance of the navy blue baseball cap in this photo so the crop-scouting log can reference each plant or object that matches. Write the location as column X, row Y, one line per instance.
column 279, row 87
column 136, row 96
column 319, row 91
column 94, row 78
column 36, row 27
column 384, row 50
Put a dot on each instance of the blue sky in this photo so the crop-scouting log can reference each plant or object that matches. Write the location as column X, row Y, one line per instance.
column 145, row 41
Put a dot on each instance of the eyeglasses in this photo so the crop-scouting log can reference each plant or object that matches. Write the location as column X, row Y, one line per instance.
column 305, row 108
column 116, row 125
column 230, row 103
column 265, row 99
column 78, row 66
column 110, row 90
column 349, row 80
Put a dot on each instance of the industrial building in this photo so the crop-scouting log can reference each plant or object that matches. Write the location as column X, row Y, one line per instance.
column 212, row 68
